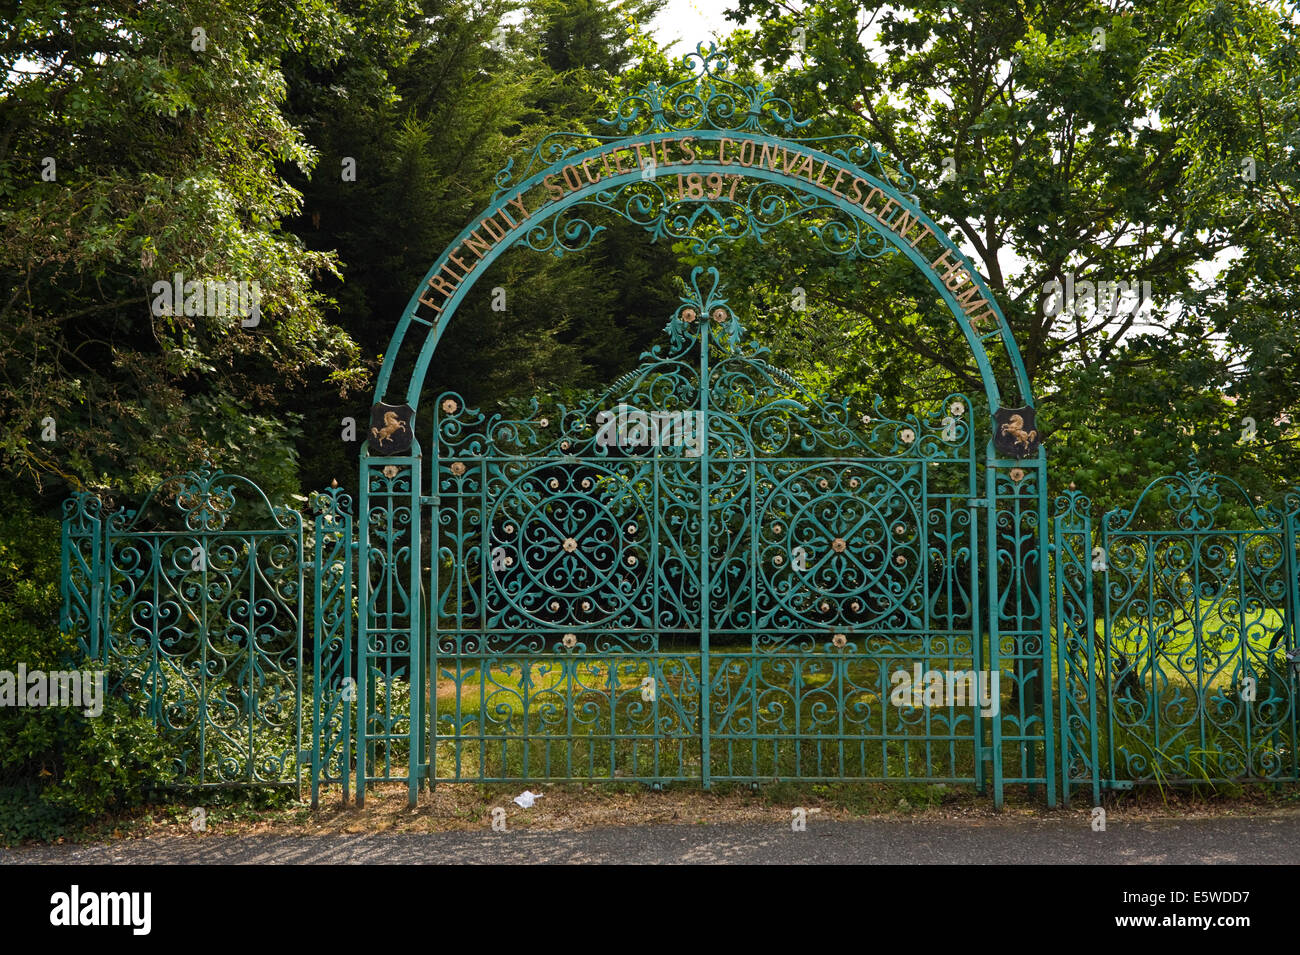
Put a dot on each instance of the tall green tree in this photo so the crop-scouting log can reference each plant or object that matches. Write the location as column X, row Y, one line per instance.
column 1231, row 89
column 472, row 86
column 138, row 141
column 1042, row 140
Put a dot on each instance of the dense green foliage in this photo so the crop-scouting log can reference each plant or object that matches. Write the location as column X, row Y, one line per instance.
column 58, row 767
column 1112, row 155
column 167, row 157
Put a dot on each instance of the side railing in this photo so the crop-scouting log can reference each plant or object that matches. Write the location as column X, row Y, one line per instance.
column 1076, row 650
column 1176, row 637
column 194, row 604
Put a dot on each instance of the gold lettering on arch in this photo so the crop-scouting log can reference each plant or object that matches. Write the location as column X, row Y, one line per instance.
column 482, row 242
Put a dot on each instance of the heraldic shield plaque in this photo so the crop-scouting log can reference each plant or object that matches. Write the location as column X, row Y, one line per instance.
column 1015, row 433
column 390, row 429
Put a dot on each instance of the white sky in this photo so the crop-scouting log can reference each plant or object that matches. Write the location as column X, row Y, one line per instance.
column 684, row 23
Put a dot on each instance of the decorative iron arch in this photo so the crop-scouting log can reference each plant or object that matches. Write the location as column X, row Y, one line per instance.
column 704, row 161
column 709, row 137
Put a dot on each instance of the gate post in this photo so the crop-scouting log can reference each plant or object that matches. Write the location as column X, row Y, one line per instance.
column 1291, row 550
column 706, row 583
column 991, row 592
column 1019, row 613
column 388, row 622
column 1076, row 639
column 333, row 698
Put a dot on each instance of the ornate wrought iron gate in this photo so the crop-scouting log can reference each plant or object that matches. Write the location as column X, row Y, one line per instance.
column 783, row 570
column 705, row 574
column 192, row 603
column 1178, row 636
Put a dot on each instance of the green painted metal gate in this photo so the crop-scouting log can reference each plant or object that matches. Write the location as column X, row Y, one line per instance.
column 192, row 605
column 1178, row 635
column 707, row 574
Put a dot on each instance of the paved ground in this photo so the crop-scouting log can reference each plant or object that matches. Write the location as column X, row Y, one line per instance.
column 1254, row 840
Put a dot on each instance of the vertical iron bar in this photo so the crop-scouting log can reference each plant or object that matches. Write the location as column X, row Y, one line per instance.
column 1045, row 628
column 415, row 648
column 1289, row 525
column 250, row 706
column 435, row 600
column 348, row 655
column 1104, row 663
column 1198, row 631
column 705, row 583
column 364, row 598
column 995, row 655
column 979, row 661
column 1243, row 647
column 302, row 606
column 102, row 603
column 319, row 716
column 1090, row 652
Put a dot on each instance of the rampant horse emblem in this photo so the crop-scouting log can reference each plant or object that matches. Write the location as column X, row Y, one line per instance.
column 392, row 425
column 1015, row 427
column 1016, row 434
column 390, row 428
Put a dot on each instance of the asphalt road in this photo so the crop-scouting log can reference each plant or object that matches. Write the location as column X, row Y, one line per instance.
column 1253, row 840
